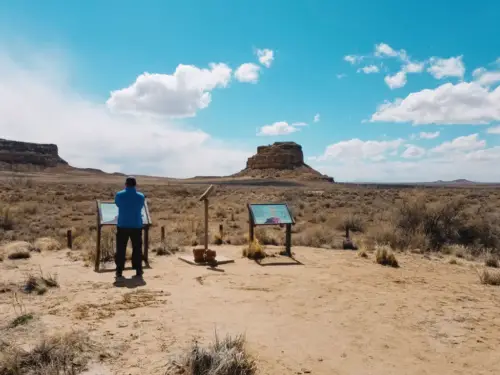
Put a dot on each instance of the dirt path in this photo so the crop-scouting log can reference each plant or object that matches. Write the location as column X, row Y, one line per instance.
column 335, row 314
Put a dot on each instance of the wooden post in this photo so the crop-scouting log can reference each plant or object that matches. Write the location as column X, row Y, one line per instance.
column 288, row 240
column 69, row 239
column 206, row 224
column 162, row 234
column 221, row 232
column 347, row 232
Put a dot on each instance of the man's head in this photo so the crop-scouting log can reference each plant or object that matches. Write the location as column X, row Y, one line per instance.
column 130, row 181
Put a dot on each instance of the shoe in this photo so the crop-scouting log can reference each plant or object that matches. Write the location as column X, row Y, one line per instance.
column 138, row 275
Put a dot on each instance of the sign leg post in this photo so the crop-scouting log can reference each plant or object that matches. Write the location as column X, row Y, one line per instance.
column 146, row 245
column 288, row 242
column 98, row 250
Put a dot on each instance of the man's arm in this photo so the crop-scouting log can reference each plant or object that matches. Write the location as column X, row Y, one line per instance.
column 117, row 200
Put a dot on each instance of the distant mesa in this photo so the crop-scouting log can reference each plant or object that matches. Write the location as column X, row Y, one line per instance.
column 29, row 156
column 280, row 160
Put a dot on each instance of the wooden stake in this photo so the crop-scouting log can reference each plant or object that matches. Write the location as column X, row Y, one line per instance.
column 98, row 242
column 69, row 239
column 162, row 234
column 288, row 241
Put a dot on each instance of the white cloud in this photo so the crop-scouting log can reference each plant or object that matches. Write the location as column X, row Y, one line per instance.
column 278, row 128
column 299, row 124
column 353, row 59
column 358, row 149
column 413, row 67
column 396, row 81
column 441, row 68
column 38, row 105
column 316, row 117
column 413, row 151
column 266, row 57
column 247, row 72
column 463, row 103
column 460, row 144
column 181, row 94
column 369, row 69
column 342, row 75
column 486, row 78
column 430, row 135
column 493, row 130
column 384, row 49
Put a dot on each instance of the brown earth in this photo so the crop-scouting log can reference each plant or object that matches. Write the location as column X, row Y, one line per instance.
column 337, row 313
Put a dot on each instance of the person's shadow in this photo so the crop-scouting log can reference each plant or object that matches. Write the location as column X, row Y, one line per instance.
column 133, row 282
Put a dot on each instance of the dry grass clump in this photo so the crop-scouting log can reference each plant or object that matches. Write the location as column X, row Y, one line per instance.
column 168, row 247
column 488, row 277
column 6, row 219
column 386, row 257
column 39, row 284
column 320, row 236
column 18, row 250
column 223, row 357
column 492, row 261
column 254, row 250
column 47, row 244
column 268, row 236
column 66, row 354
column 355, row 223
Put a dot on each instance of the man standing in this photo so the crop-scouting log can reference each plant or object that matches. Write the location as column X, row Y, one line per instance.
column 130, row 203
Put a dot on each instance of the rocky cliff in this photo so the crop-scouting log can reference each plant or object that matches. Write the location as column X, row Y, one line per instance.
column 23, row 154
column 281, row 159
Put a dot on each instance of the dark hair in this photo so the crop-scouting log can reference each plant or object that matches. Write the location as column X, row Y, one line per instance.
column 130, row 181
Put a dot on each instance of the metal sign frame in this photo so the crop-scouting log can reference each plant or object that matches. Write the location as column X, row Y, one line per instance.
column 100, row 224
column 252, row 224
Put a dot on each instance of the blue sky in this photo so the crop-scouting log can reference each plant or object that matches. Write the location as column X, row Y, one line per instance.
column 182, row 88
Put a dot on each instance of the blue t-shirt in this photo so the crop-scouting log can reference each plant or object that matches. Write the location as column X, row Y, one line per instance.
column 129, row 202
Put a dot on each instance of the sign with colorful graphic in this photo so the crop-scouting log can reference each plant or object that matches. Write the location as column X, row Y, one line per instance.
column 270, row 214
column 108, row 213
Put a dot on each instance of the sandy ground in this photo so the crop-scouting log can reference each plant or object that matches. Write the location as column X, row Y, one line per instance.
column 337, row 313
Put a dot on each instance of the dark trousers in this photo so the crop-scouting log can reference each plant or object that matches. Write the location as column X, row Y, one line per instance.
column 122, row 237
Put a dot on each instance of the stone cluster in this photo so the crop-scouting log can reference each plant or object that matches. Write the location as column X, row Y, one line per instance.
column 280, row 155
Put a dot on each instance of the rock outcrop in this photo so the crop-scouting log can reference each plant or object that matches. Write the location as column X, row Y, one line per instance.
column 18, row 154
column 280, row 160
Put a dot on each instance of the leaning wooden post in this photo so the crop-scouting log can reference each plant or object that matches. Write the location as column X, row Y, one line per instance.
column 69, row 239
column 206, row 223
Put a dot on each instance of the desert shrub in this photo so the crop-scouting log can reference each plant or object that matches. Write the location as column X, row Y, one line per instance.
column 19, row 254
column 168, row 247
column 220, row 213
column 386, row 257
column 65, row 354
column 6, row 218
column 491, row 260
column 223, row 357
column 47, row 244
column 319, row 236
column 434, row 225
column 355, row 223
column 254, row 250
column 488, row 277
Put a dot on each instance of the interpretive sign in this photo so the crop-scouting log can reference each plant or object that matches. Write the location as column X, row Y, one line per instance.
column 108, row 213
column 270, row 214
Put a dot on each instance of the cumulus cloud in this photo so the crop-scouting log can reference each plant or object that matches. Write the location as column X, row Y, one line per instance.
column 441, row 68
column 341, row 75
column 38, row 105
column 460, row 144
column 358, row 149
column 462, row 103
column 396, row 81
column 413, row 67
column 429, row 135
column 279, row 128
column 316, row 117
column 180, row 94
column 266, row 57
column 369, row 69
column 413, row 151
column 247, row 72
column 384, row 49
column 486, row 78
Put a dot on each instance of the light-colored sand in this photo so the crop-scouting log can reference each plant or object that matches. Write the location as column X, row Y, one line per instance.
column 335, row 314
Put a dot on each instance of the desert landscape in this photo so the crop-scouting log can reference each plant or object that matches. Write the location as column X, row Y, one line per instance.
column 418, row 293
